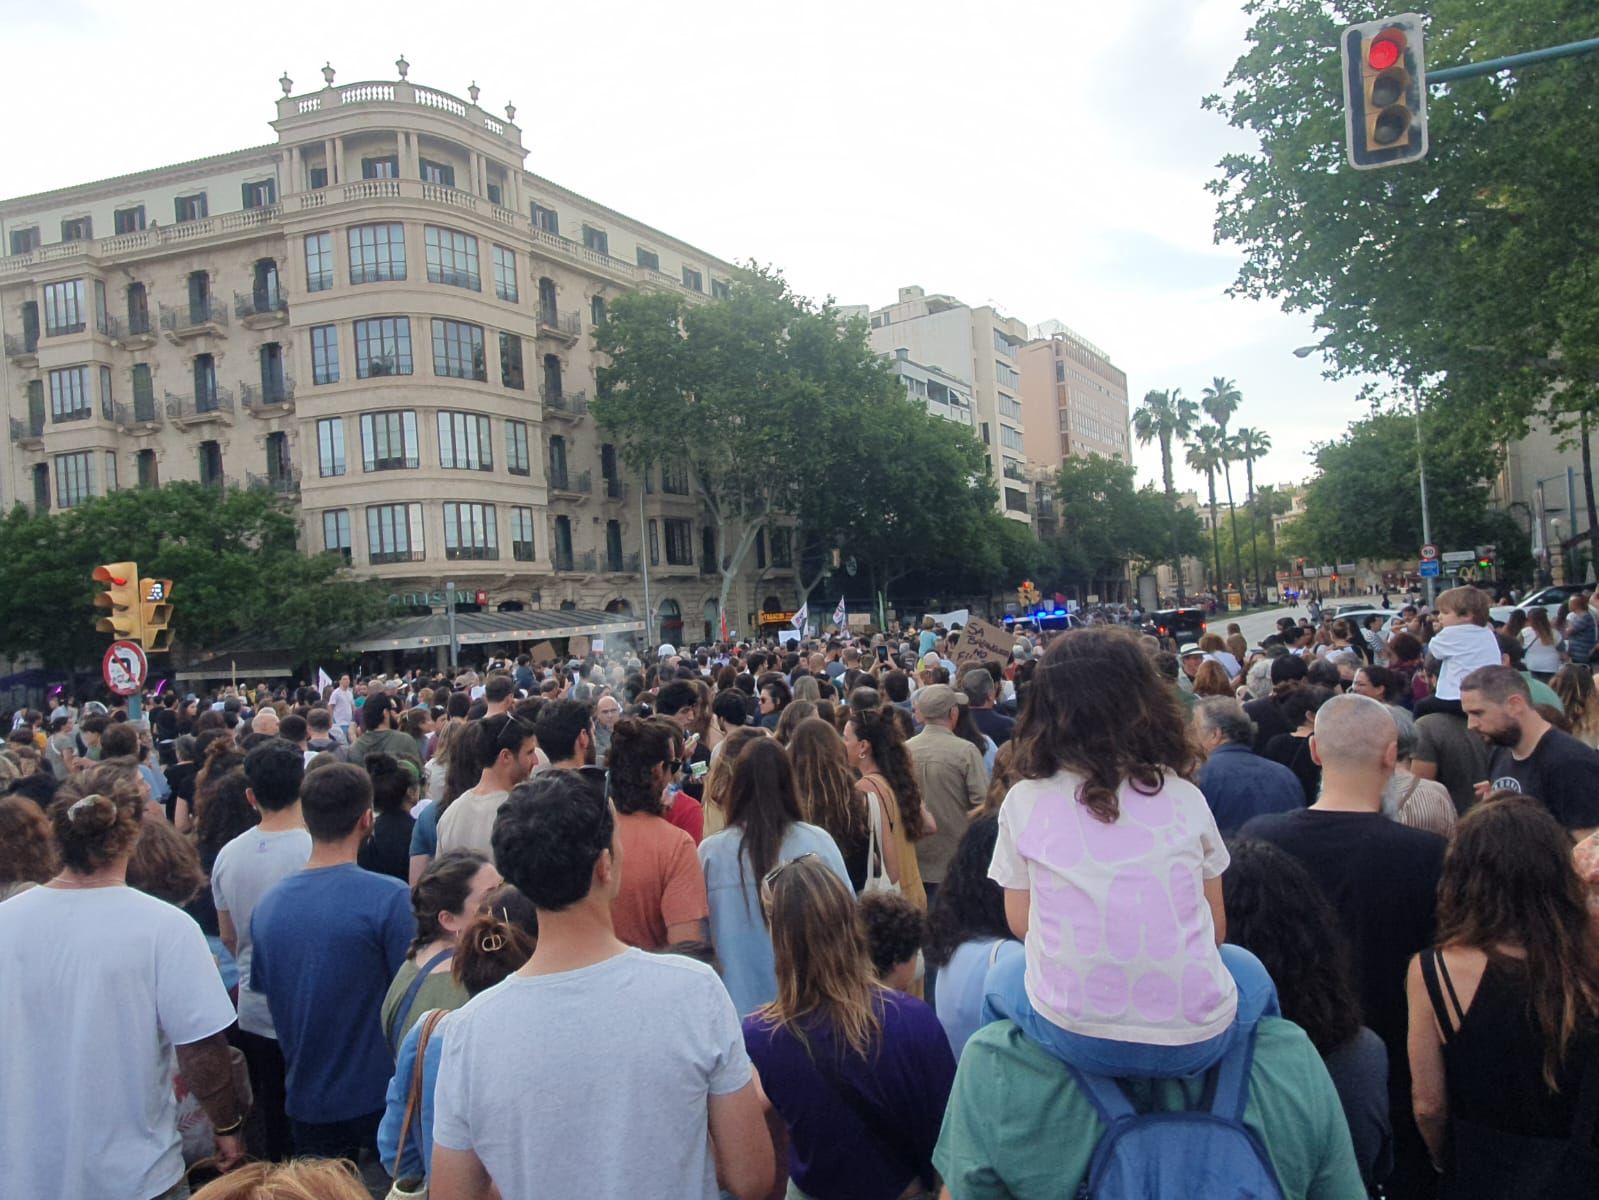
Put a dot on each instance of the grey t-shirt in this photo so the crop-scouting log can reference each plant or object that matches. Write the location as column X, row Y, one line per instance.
column 246, row 869
column 1461, row 757
column 593, row 1082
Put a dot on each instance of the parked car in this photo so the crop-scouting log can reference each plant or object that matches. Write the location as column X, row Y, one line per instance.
column 1179, row 624
column 1547, row 598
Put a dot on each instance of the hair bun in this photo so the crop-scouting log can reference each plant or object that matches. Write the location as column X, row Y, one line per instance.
column 92, row 814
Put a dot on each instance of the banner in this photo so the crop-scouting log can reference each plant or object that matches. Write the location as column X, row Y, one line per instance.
column 839, row 614
column 981, row 642
column 802, row 616
column 951, row 619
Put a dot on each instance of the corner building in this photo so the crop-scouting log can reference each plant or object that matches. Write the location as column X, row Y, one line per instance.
column 383, row 317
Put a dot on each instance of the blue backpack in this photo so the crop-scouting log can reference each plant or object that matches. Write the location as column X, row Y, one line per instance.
column 1206, row 1153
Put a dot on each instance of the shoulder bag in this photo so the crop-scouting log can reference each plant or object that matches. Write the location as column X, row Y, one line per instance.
column 411, row 1187
column 877, row 880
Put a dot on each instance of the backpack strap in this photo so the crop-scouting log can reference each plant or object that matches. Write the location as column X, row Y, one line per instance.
column 1229, row 1082
column 397, row 1017
column 1105, row 1094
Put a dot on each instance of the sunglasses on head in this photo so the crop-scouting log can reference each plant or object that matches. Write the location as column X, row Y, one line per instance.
column 783, row 866
column 512, row 734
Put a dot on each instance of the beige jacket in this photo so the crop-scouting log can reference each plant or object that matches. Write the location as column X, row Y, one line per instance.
column 953, row 782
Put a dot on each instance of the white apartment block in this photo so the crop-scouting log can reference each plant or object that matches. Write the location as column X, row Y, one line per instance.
column 384, row 317
column 943, row 394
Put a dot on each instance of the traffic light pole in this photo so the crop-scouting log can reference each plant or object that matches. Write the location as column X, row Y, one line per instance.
column 1421, row 471
column 1493, row 66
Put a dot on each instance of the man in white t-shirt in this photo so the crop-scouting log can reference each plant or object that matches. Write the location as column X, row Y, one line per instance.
column 342, row 704
column 245, row 870
column 507, row 754
column 641, row 1082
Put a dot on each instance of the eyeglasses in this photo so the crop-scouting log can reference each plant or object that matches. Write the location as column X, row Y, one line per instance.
column 512, row 734
column 783, row 866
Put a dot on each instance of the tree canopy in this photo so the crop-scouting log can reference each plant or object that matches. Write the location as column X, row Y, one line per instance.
column 1107, row 521
column 232, row 556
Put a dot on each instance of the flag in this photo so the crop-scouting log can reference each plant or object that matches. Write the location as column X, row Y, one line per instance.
column 323, row 683
column 801, row 617
column 838, row 613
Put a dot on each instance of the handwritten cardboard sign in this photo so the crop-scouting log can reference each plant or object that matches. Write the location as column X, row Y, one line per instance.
column 980, row 643
column 543, row 653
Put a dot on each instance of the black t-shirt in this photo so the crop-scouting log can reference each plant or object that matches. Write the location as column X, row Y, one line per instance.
column 1294, row 753
column 1269, row 721
column 1382, row 880
column 387, row 850
column 1560, row 771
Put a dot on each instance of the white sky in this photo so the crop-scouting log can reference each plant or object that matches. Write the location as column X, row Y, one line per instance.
column 1047, row 157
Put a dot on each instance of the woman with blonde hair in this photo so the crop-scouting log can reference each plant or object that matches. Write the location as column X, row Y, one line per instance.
column 1574, row 685
column 302, row 1179
column 719, row 782
column 827, row 792
column 840, row 1056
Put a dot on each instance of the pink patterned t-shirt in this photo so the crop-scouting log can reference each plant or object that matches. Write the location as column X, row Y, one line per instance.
column 1120, row 942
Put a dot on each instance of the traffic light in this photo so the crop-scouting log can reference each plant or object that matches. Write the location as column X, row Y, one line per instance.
column 119, row 603
column 155, row 614
column 1027, row 594
column 1385, row 92
column 1486, row 556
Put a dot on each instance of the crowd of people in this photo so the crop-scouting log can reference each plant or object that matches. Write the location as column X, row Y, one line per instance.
column 867, row 918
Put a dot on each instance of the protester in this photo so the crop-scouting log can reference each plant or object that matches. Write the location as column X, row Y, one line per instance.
column 306, row 1179
column 108, row 993
column 27, row 847
column 387, row 850
column 502, row 750
column 895, row 931
column 1237, row 783
column 859, row 1074
column 1575, row 687
column 950, row 776
column 327, row 941
column 978, row 685
column 875, row 748
column 1463, row 644
column 719, row 780
column 826, row 789
column 1581, row 630
column 1409, row 799
column 637, row 1127
column 380, row 718
column 1504, row 1014
column 1448, row 751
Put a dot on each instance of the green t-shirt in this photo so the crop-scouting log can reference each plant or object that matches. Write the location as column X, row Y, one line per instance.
column 438, row 991
column 1017, row 1126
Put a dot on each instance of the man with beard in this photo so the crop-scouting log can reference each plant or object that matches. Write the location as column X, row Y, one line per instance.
column 565, row 732
column 1530, row 755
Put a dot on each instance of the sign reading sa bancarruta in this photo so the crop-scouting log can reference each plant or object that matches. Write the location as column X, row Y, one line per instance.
column 981, row 642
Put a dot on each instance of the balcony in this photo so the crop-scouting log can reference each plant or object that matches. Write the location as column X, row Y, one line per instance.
column 266, row 401
column 1014, row 471
column 136, row 333
column 564, row 326
column 142, row 416
column 613, row 489
column 188, row 410
column 622, row 564
column 564, row 406
column 563, row 484
column 569, row 562
column 261, row 309
column 24, row 350
column 194, row 320
column 283, row 483
column 28, row 434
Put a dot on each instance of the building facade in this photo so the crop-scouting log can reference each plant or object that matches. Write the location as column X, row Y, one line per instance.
column 1074, row 399
column 386, row 318
column 944, row 395
column 978, row 347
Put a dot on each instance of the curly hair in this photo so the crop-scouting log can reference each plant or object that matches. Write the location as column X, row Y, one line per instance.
column 1276, row 911
column 1096, row 707
column 894, row 930
column 27, row 848
column 880, row 729
column 637, row 746
column 165, row 865
column 969, row 905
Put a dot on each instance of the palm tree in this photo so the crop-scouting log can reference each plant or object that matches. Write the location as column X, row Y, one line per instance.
column 1249, row 446
column 1167, row 417
column 1206, row 453
column 1221, row 401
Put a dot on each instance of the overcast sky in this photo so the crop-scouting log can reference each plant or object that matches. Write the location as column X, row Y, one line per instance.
column 1046, row 157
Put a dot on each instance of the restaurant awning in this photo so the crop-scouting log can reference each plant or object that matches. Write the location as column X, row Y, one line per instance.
column 415, row 633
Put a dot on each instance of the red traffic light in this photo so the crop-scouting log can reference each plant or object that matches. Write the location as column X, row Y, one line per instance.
column 1385, row 49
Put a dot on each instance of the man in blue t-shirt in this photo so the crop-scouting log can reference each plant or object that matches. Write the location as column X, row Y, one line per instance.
column 327, row 942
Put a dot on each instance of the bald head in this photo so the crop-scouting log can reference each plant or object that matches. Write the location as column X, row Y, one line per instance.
column 1355, row 733
column 265, row 721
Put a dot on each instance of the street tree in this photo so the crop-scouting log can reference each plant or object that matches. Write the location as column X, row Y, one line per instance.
column 1221, row 401
column 1108, row 524
column 1249, row 447
column 1466, row 274
column 1205, row 456
column 1167, row 418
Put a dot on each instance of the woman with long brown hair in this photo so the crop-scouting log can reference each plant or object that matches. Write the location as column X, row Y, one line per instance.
column 827, row 792
column 1504, row 1013
column 765, row 827
column 719, row 780
column 1574, row 685
column 859, row 1074
column 874, row 744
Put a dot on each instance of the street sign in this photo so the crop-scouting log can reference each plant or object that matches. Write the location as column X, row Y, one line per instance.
column 1450, row 556
column 1429, row 551
column 1430, row 568
column 125, row 668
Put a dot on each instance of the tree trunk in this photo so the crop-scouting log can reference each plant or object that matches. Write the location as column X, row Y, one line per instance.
column 1171, row 515
column 1232, row 521
column 1215, row 541
column 731, row 564
column 1254, row 537
column 1587, row 487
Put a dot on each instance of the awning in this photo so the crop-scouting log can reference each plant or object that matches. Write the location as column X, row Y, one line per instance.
column 415, row 633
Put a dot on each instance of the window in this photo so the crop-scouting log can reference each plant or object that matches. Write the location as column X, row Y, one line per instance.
column 110, row 471
column 190, row 208
column 596, row 239
column 388, row 441
column 505, row 274
column 382, row 347
column 148, row 474
column 30, row 325
column 546, row 219
column 782, row 547
column 377, row 253
column 597, row 310
column 1009, row 407
column 318, row 262
column 385, row 167
column 693, row 280
column 465, row 443
column 649, row 259
column 517, row 461
column 199, row 297
column 63, row 307
column 394, row 533
column 679, row 542
column 330, row 446
column 1015, row 500
column 674, row 478
column 451, row 257
column 260, row 194
column 655, row 543
column 720, row 290
column 437, row 172
column 458, row 350
column 1004, row 345
column 552, row 378
column 211, row 464
column 69, row 394
column 25, row 241
column 280, row 467
column 105, row 393
column 128, row 220
column 557, row 472
column 76, row 229
column 324, row 354
column 143, row 393
column 563, row 543
column 608, row 468
column 613, row 546
column 1060, row 371
column 511, row 361
column 760, row 549
column 1007, row 375
column 41, row 486
column 274, row 388
column 138, row 309
column 264, row 290
column 36, row 407
column 522, row 534
column 547, row 309
column 1010, row 438
column 469, row 531
column 336, row 533
column 74, row 478
column 707, row 550
column 205, row 383
column 319, row 177
column 496, row 195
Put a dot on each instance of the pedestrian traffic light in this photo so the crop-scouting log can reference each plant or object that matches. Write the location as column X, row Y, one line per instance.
column 1385, row 92
column 155, row 614
column 118, row 605
column 1486, row 556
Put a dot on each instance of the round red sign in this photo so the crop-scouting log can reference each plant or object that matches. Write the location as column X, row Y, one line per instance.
column 125, row 668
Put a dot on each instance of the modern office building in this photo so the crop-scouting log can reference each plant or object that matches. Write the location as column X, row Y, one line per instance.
column 383, row 316
column 978, row 347
column 943, row 394
column 1074, row 399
